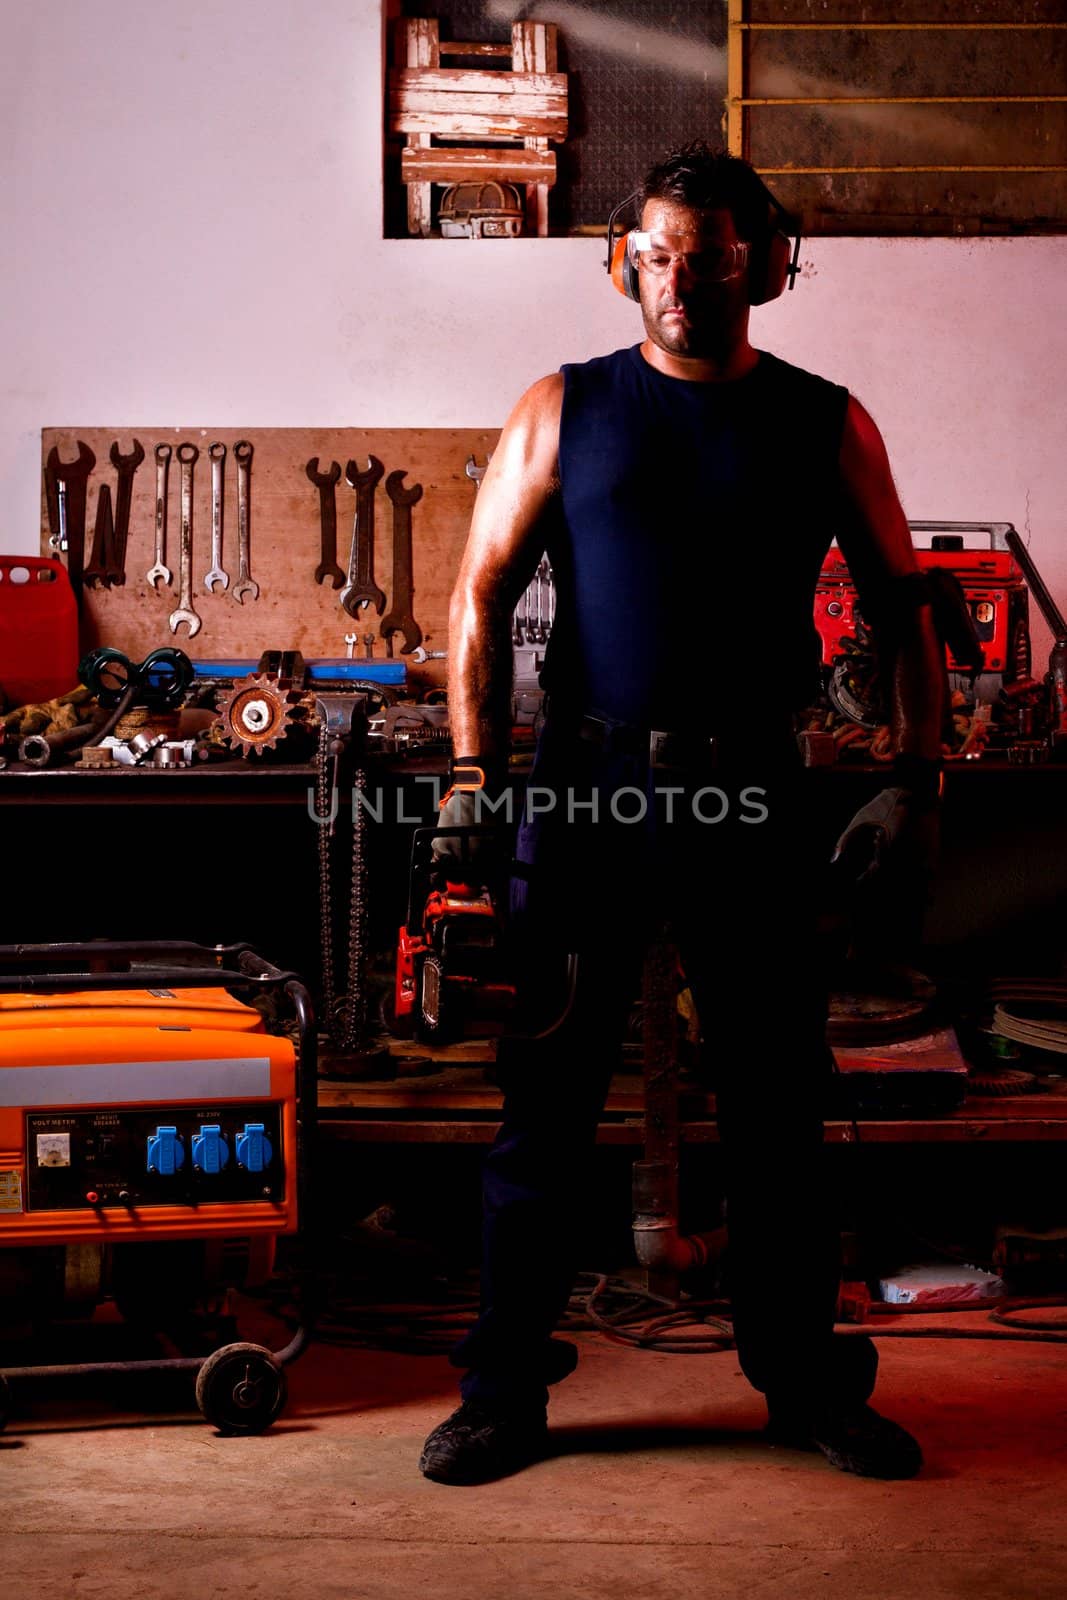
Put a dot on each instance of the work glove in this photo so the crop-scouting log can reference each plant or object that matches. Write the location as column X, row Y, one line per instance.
column 900, row 825
column 476, row 800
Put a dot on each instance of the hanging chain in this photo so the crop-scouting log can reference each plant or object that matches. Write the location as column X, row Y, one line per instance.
column 324, row 809
column 355, row 1009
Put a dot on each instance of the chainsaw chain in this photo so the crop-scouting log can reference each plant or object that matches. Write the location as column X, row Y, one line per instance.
column 346, row 1021
column 324, row 816
column 355, row 1007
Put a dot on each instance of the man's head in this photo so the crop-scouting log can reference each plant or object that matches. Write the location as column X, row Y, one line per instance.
column 711, row 180
column 705, row 222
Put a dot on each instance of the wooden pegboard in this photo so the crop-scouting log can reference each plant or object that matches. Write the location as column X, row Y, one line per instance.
column 292, row 612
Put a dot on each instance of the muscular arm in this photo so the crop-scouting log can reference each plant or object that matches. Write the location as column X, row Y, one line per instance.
column 507, row 537
column 876, row 542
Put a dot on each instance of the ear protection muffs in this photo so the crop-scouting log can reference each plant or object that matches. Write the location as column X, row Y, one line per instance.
column 772, row 261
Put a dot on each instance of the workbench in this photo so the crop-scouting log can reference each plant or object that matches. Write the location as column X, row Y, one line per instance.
column 228, row 852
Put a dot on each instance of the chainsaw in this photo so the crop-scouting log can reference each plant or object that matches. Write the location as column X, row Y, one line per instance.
column 451, row 971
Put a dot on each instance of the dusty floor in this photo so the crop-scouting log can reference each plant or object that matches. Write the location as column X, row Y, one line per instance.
column 660, row 1485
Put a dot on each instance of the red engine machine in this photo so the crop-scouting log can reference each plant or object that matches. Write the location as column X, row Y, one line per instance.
column 993, row 583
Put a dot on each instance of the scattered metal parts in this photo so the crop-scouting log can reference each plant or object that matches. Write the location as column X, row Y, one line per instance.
column 100, row 562
column 142, row 745
column 420, row 655
column 72, row 480
column 397, row 729
column 35, row 750
column 126, row 467
column 400, row 618
column 351, row 640
column 41, row 750
column 97, row 755
column 246, row 584
column 217, row 453
column 175, row 753
column 188, row 455
column 158, row 572
column 361, row 589
column 326, row 483
column 257, row 713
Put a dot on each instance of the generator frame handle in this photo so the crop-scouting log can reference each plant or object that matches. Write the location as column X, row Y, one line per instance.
column 998, row 531
column 248, row 968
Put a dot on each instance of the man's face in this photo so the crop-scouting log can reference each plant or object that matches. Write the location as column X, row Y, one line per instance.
column 687, row 312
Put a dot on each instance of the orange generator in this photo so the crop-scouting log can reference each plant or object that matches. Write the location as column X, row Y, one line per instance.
column 155, row 1141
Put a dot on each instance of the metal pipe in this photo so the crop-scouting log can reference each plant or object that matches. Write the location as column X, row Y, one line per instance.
column 1048, row 607
column 830, row 171
column 736, row 63
column 660, row 1245
column 904, row 100
column 899, row 27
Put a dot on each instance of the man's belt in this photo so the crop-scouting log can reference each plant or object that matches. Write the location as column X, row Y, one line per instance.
column 665, row 749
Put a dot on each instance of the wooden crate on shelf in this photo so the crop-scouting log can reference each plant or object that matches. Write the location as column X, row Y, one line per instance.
column 526, row 106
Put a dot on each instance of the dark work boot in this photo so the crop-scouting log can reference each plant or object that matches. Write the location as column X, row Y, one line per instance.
column 480, row 1442
column 857, row 1439
column 852, row 1436
column 841, row 1424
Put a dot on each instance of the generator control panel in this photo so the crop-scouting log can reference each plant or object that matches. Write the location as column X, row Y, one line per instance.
column 170, row 1155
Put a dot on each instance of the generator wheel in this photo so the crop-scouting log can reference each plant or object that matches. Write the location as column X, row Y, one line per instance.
column 434, row 1011
column 5, row 1402
column 241, row 1388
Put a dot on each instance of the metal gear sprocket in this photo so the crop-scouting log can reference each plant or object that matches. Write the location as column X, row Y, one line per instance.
column 258, row 712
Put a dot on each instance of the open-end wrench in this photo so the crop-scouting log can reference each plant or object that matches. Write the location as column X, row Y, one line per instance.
column 187, row 456
column 325, row 483
column 538, row 634
column 246, row 584
column 103, row 555
column 217, row 452
column 59, row 541
column 524, row 631
column 475, row 472
column 400, row 618
column 361, row 589
column 75, row 476
column 158, row 571
column 125, row 466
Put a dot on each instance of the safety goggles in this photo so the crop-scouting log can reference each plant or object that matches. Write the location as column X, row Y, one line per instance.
column 655, row 253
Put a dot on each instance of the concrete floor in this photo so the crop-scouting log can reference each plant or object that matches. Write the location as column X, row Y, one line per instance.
column 660, row 1486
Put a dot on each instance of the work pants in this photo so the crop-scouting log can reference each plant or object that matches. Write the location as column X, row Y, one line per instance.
column 740, row 896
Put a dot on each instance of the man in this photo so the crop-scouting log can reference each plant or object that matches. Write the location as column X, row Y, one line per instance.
column 686, row 490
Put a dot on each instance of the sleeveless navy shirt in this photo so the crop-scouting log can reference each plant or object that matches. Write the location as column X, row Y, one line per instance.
column 694, row 519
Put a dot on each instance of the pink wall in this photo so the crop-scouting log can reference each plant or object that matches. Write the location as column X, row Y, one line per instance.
column 192, row 203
